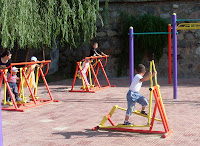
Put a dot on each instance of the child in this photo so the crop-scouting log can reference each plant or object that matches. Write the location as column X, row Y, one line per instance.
column 31, row 74
column 13, row 86
column 94, row 51
column 133, row 94
column 85, row 67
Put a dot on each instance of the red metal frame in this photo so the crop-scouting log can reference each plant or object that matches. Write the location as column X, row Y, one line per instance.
column 97, row 66
column 158, row 105
column 34, row 101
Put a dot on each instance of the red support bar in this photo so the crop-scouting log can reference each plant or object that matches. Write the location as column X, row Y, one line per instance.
column 104, row 73
column 75, row 76
column 110, row 120
column 47, row 69
column 91, row 67
column 96, row 73
column 153, row 117
column 169, row 55
column 45, row 82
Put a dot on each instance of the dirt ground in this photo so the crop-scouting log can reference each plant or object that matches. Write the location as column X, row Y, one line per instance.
column 69, row 122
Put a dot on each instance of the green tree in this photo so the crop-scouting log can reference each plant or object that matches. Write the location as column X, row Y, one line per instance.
column 36, row 23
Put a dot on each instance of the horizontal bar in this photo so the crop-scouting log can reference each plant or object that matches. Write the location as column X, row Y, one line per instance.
column 26, row 63
column 152, row 33
column 134, row 130
column 124, row 126
column 94, row 57
column 187, row 19
column 143, row 33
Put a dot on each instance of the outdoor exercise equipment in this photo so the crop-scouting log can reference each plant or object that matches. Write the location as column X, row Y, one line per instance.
column 79, row 73
column 34, row 101
column 131, row 47
column 21, row 85
column 154, row 90
column 182, row 26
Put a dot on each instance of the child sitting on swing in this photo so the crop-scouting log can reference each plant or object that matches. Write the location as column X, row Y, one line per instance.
column 133, row 94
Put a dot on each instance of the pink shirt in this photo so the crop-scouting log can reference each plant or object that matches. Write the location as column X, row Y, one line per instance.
column 13, row 79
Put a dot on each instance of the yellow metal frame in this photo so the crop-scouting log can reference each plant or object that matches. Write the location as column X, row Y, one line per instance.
column 21, row 95
column 105, row 118
column 188, row 26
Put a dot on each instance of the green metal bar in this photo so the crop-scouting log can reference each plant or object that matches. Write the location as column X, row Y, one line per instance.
column 151, row 33
column 187, row 19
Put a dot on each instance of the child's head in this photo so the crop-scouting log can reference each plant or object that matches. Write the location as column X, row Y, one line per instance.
column 14, row 70
column 6, row 54
column 140, row 69
column 33, row 59
column 95, row 45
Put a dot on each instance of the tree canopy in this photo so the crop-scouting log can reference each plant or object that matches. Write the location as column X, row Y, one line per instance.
column 36, row 23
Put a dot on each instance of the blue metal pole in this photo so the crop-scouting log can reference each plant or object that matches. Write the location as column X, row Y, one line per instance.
column 131, row 54
column 174, row 26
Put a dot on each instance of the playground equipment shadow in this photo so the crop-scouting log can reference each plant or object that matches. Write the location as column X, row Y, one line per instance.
column 69, row 122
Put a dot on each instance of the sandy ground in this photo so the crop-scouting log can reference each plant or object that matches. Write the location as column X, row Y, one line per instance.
column 69, row 122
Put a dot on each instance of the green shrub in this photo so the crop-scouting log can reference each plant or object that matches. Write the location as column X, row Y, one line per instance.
column 144, row 45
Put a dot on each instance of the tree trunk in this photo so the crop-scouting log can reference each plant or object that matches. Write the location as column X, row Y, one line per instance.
column 27, row 53
column 15, row 53
column 43, row 52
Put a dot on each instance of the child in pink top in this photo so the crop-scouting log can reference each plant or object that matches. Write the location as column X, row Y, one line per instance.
column 13, row 84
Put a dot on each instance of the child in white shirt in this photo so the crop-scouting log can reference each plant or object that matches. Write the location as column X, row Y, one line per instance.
column 133, row 94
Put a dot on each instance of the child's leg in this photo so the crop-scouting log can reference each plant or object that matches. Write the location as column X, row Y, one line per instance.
column 131, row 104
column 8, row 99
column 85, row 77
column 15, row 91
column 127, row 118
column 143, row 101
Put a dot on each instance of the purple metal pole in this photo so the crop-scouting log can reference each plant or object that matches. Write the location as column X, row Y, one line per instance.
column 174, row 26
column 131, row 54
column 1, row 134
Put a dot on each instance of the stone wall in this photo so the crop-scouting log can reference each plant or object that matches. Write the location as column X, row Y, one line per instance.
column 188, row 40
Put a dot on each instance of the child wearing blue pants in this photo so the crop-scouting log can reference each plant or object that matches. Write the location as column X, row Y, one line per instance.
column 133, row 94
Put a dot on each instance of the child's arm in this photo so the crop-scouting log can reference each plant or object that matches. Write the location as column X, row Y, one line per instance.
column 103, row 54
column 148, row 76
column 98, row 54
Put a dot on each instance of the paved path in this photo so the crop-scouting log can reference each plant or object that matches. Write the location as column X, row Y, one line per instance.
column 69, row 122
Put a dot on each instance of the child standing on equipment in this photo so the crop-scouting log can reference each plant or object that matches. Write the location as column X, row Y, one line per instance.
column 30, row 73
column 95, row 52
column 13, row 85
column 133, row 94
